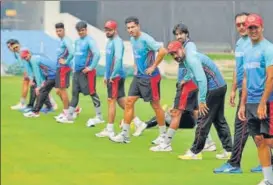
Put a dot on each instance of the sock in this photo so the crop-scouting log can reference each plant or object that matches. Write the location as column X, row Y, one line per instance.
column 209, row 139
column 23, row 100
column 71, row 111
column 169, row 135
column 98, row 112
column 168, row 117
column 162, row 129
column 125, row 129
column 53, row 102
column 137, row 121
column 110, row 127
column 65, row 111
column 268, row 174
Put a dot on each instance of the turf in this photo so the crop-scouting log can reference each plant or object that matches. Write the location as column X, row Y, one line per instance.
column 42, row 152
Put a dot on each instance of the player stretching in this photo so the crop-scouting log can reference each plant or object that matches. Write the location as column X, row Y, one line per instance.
column 114, row 78
column 211, row 104
column 257, row 93
column 146, row 82
column 182, row 34
column 86, row 58
column 44, row 73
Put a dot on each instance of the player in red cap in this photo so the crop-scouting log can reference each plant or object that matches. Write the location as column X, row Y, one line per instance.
column 256, row 106
column 114, row 77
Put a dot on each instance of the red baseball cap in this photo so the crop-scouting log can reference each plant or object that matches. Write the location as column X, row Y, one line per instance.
column 174, row 46
column 111, row 25
column 24, row 53
column 254, row 20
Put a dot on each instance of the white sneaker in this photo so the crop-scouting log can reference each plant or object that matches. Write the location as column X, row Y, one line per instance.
column 225, row 155
column 190, row 156
column 159, row 139
column 120, row 138
column 94, row 121
column 18, row 106
column 65, row 119
column 161, row 148
column 265, row 182
column 59, row 116
column 31, row 114
column 105, row 133
column 140, row 129
column 209, row 147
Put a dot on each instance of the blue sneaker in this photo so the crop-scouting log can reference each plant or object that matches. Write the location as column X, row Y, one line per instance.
column 227, row 168
column 257, row 169
column 46, row 110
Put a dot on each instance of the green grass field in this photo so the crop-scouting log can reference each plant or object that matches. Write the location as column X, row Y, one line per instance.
column 40, row 151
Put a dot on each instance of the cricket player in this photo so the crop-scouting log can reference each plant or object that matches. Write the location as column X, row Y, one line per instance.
column 15, row 47
column 114, row 77
column 211, row 104
column 64, row 58
column 182, row 34
column 256, row 108
column 44, row 74
column 146, row 82
column 86, row 58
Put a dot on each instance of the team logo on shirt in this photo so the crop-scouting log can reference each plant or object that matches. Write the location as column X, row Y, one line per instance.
column 252, row 65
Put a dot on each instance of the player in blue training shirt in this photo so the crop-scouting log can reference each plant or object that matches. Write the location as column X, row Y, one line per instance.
column 114, row 78
column 182, row 34
column 64, row 59
column 146, row 82
column 44, row 74
column 257, row 93
column 86, row 58
column 212, row 89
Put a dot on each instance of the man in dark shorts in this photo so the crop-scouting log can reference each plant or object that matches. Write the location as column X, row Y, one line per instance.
column 146, row 82
column 257, row 93
column 86, row 58
column 114, row 77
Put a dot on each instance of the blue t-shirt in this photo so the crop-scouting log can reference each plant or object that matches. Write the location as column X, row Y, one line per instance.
column 257, row 59
column 86, row 54
column 144, row 48
column 114, row 58
column 43, row 68
column 183, row 73
column 65, row 51
column 242, row 44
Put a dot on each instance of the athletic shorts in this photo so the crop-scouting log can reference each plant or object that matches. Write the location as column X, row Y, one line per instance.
column 186, row 96
column 257, row 126
column 84, row 83
column 115, row 89
column 63, row 77
column 146, row 88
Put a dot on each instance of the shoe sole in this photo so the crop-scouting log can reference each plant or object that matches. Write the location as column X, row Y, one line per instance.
column 124, row 142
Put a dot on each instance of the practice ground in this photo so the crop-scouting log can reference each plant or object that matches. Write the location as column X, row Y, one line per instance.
column 42, row 152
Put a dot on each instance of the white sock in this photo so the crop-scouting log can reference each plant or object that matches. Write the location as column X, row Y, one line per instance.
column 209, row 139
column 98, row 112
column 162, row 129
column 268, row 174
column 53, row 102
column 65, row 111
column 137, row 121
column 169, row 136
column 125, row 129
column 110, row 127
column 71, row 111
column 23, row 100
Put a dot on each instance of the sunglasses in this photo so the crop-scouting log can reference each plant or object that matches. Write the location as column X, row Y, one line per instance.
column 239, row 24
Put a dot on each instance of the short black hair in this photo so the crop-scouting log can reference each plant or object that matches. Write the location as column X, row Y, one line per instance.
column 80, row 25
column 132, row 19
column 241, row 14
column 12, row 41
column 181, row 27
column 59, row 25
